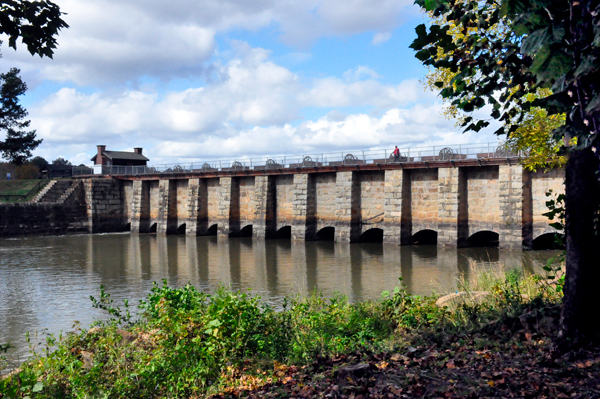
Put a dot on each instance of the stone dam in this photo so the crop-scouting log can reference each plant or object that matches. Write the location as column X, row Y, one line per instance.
column 451, row 203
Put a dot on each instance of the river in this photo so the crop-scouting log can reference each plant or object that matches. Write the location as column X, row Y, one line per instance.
column 46, row 281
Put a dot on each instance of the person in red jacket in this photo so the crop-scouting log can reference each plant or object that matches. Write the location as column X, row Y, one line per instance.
column 396, row 154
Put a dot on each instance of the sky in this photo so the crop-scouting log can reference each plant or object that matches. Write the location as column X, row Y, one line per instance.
column 192, row 80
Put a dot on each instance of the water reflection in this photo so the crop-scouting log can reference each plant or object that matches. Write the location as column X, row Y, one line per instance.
column 45, row 282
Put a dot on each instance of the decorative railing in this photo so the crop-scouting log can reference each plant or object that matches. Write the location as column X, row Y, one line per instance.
column 357, row 157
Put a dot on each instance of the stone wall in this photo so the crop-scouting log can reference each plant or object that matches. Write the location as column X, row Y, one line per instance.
column 127, row 200
column 456, row 202
column 104, row 199
column 541, row 182
column 284, row 189
column 183, row 214
column 483, row 199
column 424, row 199
column 325, row 199
column 213, row 187
column 372, row 199
column 42, row 218
column 153, row 194
column 246, row 198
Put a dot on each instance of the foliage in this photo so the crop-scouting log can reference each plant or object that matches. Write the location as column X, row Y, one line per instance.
column 27, row 171
column 37, row 23
column 551, row 45
column 40, row 162
column 533, row 134
column 18, row 144
column 185, row 342
column 61, row 162
column 500, row 70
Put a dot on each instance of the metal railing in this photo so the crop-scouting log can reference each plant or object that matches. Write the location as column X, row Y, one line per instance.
column 356, row 157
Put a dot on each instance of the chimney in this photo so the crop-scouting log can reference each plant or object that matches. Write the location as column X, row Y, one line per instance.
column 137, row 150
column 99, row 158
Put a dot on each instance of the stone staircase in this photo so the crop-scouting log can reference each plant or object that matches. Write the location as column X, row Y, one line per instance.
column 55, row 190
column 72, row 193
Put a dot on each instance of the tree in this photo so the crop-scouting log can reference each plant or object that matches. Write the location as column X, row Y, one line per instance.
column 18, row 144
column 61, row 162
column 549, row 44
column 40, row 162
column 532, row 138
column 37, row 23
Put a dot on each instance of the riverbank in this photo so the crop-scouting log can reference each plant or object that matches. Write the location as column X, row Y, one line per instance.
column 187, row 343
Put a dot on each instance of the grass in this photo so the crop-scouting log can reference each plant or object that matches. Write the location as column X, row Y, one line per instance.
column 187, row 343
column 16, row 187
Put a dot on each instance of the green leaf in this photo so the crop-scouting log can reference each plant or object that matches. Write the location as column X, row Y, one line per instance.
column 38, row 387
column 593, row 105
column 535, row 41
column 588, row 66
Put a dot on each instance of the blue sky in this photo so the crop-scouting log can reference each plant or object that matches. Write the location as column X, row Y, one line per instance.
column 193, row 80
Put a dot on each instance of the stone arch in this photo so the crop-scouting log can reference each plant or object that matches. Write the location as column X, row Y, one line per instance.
column 372, row 235
column 181, row 228
column 326, row 234
column 284, row 232
column 212, row 230
column 246, row 231
column 483, row 238
column 153, row 228
column 425, row 237
column 545, row 241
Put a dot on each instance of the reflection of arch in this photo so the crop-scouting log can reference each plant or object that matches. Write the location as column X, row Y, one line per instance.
column 246, row 231
column 212, row 230
column 181, row 229
column 372, row 235
column 425, row 237
column 284, row 232
column 483, row 239
column 545, row 241
column 153, row 228
column 326, row 234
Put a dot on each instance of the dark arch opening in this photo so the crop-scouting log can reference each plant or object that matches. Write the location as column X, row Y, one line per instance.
column 128, row 227
column 246, row 231
column 181, row 229
column 425, row 237
column 326, row 234
column 372, row 235
column 546, row 241
column 212, row 230
column 483, row 239
column 153, row 228
column 285, row 232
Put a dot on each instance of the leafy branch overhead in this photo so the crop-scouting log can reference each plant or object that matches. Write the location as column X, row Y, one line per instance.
column 37, row 23
column 499, row 68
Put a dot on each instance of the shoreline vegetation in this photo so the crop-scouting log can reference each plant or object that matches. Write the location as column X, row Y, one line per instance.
column 494, row 339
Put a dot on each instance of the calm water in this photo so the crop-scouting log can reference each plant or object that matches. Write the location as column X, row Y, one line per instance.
column 45, row 282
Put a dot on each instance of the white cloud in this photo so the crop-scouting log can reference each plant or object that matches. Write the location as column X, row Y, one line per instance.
column 381, row 37
column 251, row 91
column 112, row 41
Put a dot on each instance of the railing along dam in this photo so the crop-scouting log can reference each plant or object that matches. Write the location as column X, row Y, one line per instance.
column 452, row 198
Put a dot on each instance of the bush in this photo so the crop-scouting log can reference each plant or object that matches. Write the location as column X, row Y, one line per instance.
column 27, row 172
column 186, row 342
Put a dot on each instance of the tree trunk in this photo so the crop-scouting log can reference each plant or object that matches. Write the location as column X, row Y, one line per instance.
column 580, row 317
